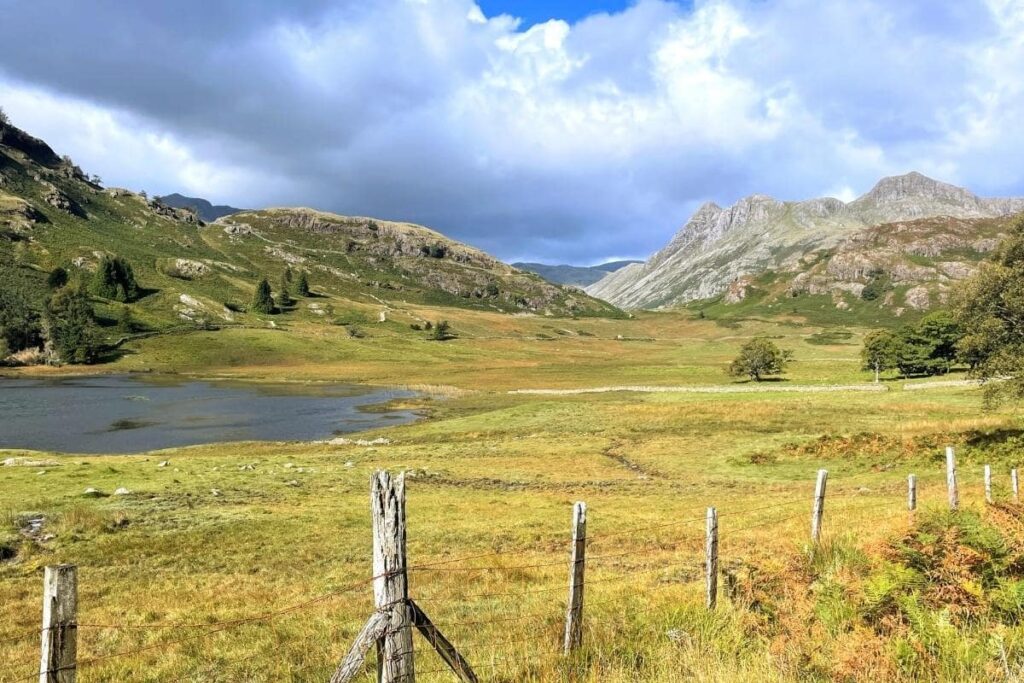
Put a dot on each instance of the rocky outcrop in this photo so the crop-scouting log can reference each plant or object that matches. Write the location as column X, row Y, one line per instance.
column 719, row 246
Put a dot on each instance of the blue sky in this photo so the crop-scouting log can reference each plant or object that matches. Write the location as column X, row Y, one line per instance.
column 578, row 138
column 537, row 11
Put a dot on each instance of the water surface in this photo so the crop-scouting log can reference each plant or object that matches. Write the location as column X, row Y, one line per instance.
column 130, row 414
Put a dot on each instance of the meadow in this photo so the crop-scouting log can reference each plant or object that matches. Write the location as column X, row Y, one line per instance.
column 249, row 562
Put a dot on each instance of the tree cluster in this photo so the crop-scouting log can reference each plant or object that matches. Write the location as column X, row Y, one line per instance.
column 990, row 309
column 926, row 348
column 114, row 279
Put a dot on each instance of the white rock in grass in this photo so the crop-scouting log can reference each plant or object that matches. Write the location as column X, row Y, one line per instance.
column 92, row 493
column 292, row 483
column 215, row 492
column 164, row 463
column 122, row 491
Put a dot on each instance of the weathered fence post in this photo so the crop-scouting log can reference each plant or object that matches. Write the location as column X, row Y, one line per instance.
column 390, row 626
column 1014, row 485
column 819, row 506
column 912, row 492
column 57, row 663
column 954, row 495
column 574, row 609
column 988, row 484
column 711, row 559
column 391, row 583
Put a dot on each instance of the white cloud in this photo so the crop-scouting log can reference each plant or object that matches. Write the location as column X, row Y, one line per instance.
column 571, row 141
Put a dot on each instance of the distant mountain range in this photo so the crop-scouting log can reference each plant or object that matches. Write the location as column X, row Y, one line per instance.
column 720, row 251
column 207, row 211
column 577, row 276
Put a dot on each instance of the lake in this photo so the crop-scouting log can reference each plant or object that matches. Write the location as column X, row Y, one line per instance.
column 130, row 414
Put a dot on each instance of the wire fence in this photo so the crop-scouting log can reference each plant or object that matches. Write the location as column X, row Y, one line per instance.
column 446, row 584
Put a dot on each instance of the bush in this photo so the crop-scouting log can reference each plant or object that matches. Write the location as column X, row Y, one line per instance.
column 443, row 331
column 57, row 278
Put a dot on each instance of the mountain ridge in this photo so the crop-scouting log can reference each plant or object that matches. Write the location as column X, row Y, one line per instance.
column 718, row 246
column 577, row 276
column 207, row 211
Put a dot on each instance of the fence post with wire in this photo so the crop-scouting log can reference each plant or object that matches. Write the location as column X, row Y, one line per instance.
column 390, row 626
column 59, row 650
column 577, row 568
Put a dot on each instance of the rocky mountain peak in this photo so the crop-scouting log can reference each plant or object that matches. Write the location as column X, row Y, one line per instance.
column 719, row 245
column 915, row 185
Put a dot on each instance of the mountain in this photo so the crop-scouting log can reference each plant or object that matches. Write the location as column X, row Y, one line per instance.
column 194, row 273
column 207, row 211
column 721, row 248
column 577, row 276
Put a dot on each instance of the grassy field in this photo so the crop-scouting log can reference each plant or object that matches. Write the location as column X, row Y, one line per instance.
column 248, row 562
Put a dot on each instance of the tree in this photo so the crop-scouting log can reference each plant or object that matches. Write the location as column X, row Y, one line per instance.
column 57, row 278
column 943, row 333
column 881, row 351
column 990, row 308
column 71, row 327
column 284, row 298
column 930, row 346
column 4, row 119
column 262, row 302
column 758, row 358
column 126, row 321
column 302, row 286
column 442, row 330
column 114, row 279
column 19, row 322
column 287, row 277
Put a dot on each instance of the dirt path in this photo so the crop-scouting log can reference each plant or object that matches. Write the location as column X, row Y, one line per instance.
column 739, row 389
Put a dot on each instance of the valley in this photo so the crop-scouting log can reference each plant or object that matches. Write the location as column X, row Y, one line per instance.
column 250, row 561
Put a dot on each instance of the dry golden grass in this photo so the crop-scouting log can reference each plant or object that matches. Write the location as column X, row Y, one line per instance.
column 200, row 587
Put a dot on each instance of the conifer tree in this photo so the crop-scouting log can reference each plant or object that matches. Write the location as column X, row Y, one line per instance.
column 261, row 300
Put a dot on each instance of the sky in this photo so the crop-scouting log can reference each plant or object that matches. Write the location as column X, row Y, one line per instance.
column 545, row 131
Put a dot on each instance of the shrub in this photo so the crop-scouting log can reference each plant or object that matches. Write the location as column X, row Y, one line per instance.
column 443, row 331
column 57, row 278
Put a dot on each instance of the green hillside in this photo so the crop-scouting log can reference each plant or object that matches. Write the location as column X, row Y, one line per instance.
column 197, row 275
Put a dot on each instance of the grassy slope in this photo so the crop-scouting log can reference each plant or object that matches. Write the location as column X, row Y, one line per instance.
column 118, row 222
column 498, row 473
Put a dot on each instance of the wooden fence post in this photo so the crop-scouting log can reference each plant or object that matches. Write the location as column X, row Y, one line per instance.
column 954, row 495
column 912, row 492
column 988, row 484
column 711, row 559
column 57, row 663
column 574, row 609
column 390, row 626
column 819, row 506
column 1014, row 485
column 391, row 584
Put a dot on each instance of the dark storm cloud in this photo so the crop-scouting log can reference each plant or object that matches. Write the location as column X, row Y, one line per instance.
column 561, row 142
